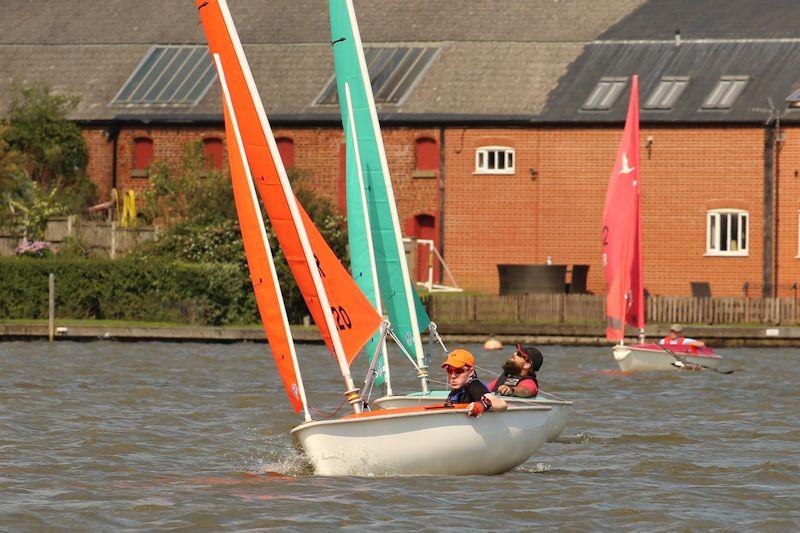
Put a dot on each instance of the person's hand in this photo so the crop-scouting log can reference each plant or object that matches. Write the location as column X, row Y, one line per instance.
column 505, row 390
column 476, row 409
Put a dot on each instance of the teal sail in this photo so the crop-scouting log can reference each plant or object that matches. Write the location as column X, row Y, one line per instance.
column 396, row 291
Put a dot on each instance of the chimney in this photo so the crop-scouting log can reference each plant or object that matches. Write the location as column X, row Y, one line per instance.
column 678, row 37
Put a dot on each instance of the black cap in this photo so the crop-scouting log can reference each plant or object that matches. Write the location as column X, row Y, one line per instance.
column 531, row 354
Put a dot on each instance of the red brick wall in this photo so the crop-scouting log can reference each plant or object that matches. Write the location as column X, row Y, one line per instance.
column 316, row 155
column 489, row 218
column 789, row 200
column 553, row 203
column 525, row 219
column 100, row 160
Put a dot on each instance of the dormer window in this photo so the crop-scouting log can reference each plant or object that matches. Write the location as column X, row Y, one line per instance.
column 667, row 92
column 725, row 93
column 494, row 160
column 605, row 94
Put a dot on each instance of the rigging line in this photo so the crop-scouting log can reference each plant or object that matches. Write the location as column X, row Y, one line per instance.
column 403, row 349
column 554, row 396
column 434, row 329
column 324, row 414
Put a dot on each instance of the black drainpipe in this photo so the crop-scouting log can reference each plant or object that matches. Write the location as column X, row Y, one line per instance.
column 769, row 146
column 113, row 134
column 441, row 198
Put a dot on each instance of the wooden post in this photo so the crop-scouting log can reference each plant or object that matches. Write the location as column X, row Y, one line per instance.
column 51, row 314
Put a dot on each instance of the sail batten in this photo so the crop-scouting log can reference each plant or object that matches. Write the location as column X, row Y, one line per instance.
column 622, row 231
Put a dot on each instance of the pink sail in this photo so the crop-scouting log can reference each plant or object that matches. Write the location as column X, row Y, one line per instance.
column 622, row 231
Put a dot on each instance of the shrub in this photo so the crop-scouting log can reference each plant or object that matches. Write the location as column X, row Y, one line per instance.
column 135, row 290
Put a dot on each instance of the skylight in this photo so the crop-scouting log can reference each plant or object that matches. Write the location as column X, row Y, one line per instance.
column 605, row 94
column 667, row 92
column 393, row 72
column 725, row 93
column 169, row 76
column 794, row 99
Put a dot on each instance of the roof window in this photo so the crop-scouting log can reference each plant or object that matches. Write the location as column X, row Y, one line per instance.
column 393, row 72
column 605, row 94
column 667, row 92
column 169, row 76
column 726, row 91
column 794, row 99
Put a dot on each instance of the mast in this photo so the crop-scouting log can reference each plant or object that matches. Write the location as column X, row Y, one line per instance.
column 368, row 226
column 238, row 157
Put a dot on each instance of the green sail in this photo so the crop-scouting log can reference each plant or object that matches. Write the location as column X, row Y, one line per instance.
column 400, row 300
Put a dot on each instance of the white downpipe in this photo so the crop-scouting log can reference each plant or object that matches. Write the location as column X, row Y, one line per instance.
column 420, row 354
column 264, row 238
column 295, row 212
column 368, row 225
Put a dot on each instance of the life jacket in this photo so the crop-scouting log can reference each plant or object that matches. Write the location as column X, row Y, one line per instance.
column 460, row 395
column 512, row 380
column 670, row 340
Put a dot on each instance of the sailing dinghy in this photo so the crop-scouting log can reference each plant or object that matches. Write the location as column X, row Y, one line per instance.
column 412, row 441
column 378, row 259
column 622, row 263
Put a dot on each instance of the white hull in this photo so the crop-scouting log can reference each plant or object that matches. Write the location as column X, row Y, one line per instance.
column 632, row 359
column 556, row 418
column 423, row 442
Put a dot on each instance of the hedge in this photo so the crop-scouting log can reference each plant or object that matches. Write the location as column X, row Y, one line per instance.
column 126, row 289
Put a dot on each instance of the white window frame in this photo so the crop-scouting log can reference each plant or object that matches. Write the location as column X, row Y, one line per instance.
column 482, row 160
column 713, row 230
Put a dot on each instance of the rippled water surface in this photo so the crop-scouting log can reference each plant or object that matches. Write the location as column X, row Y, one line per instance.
column 107, row 435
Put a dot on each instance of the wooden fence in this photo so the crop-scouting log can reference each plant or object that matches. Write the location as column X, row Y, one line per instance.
column 590, row 309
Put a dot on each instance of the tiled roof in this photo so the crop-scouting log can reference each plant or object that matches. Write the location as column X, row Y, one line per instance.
column 770, row 67
column 497, row 58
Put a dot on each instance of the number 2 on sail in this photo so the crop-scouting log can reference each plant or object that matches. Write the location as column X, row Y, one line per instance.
column 342, row 318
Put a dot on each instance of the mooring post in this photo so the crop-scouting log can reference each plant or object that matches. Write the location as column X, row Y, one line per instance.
column 51, row 313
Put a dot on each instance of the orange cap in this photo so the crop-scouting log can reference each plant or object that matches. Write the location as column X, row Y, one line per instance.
column 459, row 358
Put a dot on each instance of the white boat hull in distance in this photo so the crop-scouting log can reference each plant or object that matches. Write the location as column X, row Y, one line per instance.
column 641, row 357
column 423, row 441
column 556, row 418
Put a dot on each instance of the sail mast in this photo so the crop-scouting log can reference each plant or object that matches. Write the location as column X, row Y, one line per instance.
column 368, row 227
column 249, row 212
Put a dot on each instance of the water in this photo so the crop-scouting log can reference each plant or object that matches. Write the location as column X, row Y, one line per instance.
column 108, row 435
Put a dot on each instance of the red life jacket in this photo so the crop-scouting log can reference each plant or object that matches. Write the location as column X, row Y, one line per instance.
column 669, row 340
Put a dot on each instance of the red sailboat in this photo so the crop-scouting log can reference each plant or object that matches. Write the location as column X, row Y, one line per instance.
column 622, row 261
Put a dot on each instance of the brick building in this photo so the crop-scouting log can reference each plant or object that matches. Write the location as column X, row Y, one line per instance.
column 500, row 119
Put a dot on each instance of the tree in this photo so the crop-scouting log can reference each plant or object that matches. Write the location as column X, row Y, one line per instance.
column 55, row 150
column 196, row 205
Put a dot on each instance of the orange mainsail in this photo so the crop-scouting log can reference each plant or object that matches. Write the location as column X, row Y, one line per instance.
column 262, row 268
column 350, row 313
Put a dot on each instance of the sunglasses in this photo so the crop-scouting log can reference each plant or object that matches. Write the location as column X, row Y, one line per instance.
column 455, row 371
column 523, row 356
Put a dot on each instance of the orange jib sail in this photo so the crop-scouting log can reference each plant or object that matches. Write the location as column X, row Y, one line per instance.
column 262, row 269
column 353, row 317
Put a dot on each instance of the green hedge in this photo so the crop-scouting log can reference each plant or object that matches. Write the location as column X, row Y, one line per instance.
column 126, row 289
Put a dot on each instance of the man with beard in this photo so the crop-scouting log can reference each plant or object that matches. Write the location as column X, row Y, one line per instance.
column 519, row 373
column 465, row 387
